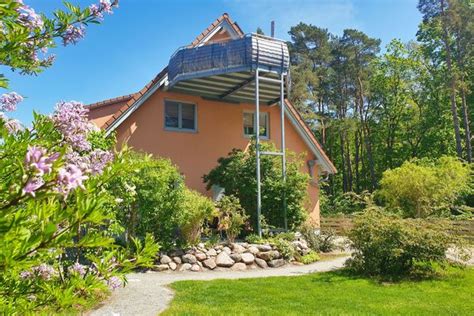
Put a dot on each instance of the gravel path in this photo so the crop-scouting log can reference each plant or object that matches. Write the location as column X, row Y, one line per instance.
column 148, row 294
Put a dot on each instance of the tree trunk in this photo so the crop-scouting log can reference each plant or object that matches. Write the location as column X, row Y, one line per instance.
column 366, row 135
column 467, row 130
column 452, row 83
column 356, row 161
column 464, row 108
column 349, row 168
column 343, row 163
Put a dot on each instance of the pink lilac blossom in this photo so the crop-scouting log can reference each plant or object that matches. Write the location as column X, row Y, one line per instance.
column 82, row 162
column 98, row 160
column 37, row 160
column 32, row 186
column 69, row 178
column 106, row 6
column 13, row 126
column 78, row 268
column 44, row 271
column 25, row 275
column 73, row 34
column 95, row 11
column 9, row 101
column 114, row 283
column 71, row 120
column 94, row 162
column 29, row 18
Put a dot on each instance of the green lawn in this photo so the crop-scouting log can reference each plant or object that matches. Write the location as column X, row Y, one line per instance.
column 331, row 293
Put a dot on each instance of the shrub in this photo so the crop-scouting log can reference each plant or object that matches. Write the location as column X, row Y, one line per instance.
column 231, row 216
column 308, row 232
column 345, row 203
column 254, row 239
column 421, row 188
column 154, row 199
column 388, row 246
column 310, row 257
column 326, row 241
column 319, row 242
column 149, row 191
column 285, row 247
column 193, row 211
column 236, row 174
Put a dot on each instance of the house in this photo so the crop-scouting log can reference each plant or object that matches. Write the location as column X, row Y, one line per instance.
column 203, row 105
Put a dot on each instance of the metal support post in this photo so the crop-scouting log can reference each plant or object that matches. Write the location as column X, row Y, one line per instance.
column 257, row 152
column 283, row 146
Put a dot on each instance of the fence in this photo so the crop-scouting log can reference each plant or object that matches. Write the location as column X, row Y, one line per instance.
column 342, row 225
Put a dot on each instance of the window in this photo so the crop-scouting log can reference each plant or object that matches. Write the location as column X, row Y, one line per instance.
column 249, row 124
column 180, row 116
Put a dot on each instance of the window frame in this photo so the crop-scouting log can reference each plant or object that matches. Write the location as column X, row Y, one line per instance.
column 180, row 117
column 267, row 123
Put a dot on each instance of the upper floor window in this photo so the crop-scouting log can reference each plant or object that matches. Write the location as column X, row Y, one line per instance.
column 249, row 124
column 180, row 116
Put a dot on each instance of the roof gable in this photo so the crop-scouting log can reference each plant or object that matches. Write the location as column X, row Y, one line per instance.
column 223, row 27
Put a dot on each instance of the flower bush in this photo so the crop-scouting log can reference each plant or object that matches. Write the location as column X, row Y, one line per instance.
column 26, row 36
column 236, row 174
column 57, row 246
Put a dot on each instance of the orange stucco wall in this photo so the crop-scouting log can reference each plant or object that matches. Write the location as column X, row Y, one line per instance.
column 219, row 130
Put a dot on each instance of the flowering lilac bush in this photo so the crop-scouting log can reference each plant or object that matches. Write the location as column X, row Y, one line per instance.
column 33, row 33
column 57, row 223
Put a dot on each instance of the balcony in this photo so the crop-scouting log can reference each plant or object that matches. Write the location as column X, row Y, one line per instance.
column 226, row 71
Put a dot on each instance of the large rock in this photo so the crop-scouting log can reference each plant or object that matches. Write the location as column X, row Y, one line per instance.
column 185, row 267
column 264, row 248
column 236, row 248
column 176, row 253
column 261, row 263
column 239, row 266
column 300, row 244
column 200, row 256
column 177, row 260
column 209, row 263
column 189, row 258
column 305, row 251
column 212, row 252
column 269, row 255
column 172, row 265
column 275, row 263
column 160, row 267
column 248, row 258
column 237, row 257
column 227, row 250
column 165, row 259
column 253, row 250
column 195, row 267
column 223, row 260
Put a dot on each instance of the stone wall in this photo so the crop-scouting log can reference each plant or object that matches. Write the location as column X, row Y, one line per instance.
column 235, row 257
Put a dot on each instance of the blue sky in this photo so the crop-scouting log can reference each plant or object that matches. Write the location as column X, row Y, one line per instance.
column 131, row 46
